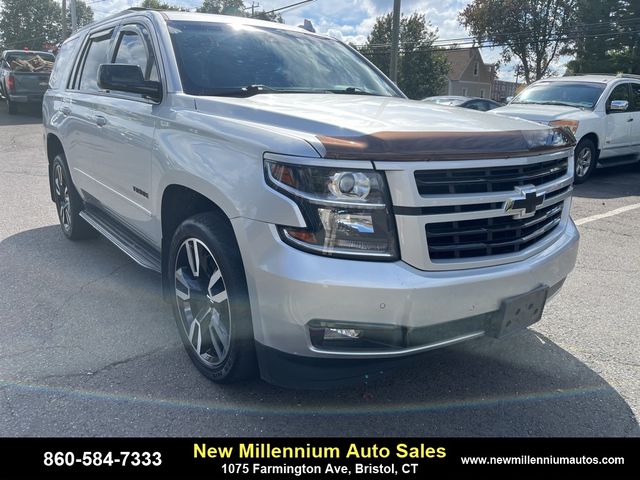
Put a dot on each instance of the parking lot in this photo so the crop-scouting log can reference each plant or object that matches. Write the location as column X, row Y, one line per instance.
column 87, row 347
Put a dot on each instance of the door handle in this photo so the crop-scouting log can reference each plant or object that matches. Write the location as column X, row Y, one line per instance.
column 629, row 119
column 101, row 121
column 65, row 110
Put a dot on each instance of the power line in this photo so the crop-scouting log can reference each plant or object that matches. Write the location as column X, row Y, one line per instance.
column 574, row 30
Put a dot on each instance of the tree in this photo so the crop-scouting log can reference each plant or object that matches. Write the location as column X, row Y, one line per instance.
column 269, row 16
column 157, row 5
column 30, row 23
column 84, row 14
column 595, row 38
column 536, row 32
column 421, row 68
column 606, row 39
column 626, row 54
column 224, row 7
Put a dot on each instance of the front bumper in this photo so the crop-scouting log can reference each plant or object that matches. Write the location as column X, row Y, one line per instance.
column 289, row 288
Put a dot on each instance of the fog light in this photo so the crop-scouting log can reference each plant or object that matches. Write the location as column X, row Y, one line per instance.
column 332, row 333
column 327, row 334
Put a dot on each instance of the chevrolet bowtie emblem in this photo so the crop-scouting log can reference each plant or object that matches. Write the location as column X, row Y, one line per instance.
column 525, row 203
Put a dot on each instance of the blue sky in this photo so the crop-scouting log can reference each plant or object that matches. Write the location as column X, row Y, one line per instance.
column 350, row 20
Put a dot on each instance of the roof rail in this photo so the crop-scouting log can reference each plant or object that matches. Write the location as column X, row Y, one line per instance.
column 628, row 75
column 619, row 75
column 590, row 73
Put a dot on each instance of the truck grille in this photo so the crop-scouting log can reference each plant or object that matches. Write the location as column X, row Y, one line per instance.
column 485, row 180
column 490, row 236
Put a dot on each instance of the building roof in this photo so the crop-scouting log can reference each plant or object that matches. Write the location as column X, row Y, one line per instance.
column 459, row 59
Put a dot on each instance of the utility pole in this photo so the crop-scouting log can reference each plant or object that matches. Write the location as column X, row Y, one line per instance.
column 395, row 41
column 74, row 15
column 253, row 8
column 64, row 20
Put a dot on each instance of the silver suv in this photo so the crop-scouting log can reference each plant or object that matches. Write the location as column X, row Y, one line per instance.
column 306, row 218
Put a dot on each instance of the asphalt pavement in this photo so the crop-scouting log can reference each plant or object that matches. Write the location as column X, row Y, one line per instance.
column 87, row 347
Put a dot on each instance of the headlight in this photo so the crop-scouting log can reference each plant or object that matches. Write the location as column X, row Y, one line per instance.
column 348, row 212
column 570, row 124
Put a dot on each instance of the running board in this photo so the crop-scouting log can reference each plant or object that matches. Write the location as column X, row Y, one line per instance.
column 131, row 244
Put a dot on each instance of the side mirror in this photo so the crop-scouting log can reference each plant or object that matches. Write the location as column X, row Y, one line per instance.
column 127, row 78
column 619, row 106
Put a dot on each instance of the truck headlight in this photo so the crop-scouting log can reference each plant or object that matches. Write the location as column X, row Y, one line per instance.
column 570, row 124
column 348, row 212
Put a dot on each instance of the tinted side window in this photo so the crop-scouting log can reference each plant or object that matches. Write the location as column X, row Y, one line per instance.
column 635, row 93
column 96, row 55
column 133, row 49
column 63, row 64
column 621, row 92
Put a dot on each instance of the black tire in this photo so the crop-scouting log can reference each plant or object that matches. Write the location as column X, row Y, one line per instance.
column 585, row 159
column 68, row 201
column 12, row 107
column 217, row 334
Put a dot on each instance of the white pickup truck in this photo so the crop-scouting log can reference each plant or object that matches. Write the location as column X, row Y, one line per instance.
column 603, row 111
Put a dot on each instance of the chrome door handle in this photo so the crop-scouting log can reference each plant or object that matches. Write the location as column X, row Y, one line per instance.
column 65, row 110
column 101, row 121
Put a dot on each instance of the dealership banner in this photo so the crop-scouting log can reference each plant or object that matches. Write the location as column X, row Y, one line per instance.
column 295, row 457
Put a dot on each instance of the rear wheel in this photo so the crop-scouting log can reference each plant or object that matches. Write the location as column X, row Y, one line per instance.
column 211, row 305
column 585, row 160
column 12, row 107
column 68, row 202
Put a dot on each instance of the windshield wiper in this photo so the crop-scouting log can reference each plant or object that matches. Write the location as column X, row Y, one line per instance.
column 554, row 102
column 550, row 102
column 247, row 91
column 352, row 91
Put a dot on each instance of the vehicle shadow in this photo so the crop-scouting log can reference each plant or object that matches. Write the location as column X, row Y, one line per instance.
column 611, row 182
column 88, row 348
column 27, row 115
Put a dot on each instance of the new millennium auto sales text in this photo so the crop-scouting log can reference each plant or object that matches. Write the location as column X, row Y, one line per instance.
column 266, row 450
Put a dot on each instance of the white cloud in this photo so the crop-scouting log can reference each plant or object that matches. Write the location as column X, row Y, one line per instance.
column 350, row 20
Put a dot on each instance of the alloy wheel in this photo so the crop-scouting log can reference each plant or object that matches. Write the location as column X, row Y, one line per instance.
column 583, row 162
column 202, row 301
column 62, row 197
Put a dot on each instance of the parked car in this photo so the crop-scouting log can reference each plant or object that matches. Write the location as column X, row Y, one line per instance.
column 603, row 111
column 474, row 103
column 24, row 77
column 304, row 215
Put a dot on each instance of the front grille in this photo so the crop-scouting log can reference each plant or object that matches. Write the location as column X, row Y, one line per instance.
column 490, row 179
column 490, row 236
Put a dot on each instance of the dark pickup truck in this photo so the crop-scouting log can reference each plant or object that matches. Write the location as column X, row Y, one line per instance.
column 24, row 76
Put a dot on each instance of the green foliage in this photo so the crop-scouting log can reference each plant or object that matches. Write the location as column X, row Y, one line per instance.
column 271, row 17
column 157, row 5
column 224, row 7
column 30, row 23
column 84, row 14
column 608, row 42
column 421, row 68
column 535, row 32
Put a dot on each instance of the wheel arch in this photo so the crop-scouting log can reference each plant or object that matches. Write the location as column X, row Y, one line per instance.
column 596, row 141
column 54, row 147
column 178, row 203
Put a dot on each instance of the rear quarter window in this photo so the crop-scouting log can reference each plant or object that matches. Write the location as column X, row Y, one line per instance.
column 63, row 64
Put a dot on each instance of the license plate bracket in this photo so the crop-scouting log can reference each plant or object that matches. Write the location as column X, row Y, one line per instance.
column 520, row 312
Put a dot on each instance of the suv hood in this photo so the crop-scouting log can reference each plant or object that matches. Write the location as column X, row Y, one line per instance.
column 536, row 113
column 360, row 126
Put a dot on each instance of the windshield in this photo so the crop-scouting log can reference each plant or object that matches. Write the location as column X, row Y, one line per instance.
column 222, row 59
column 573, row 94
